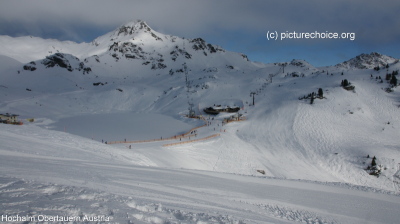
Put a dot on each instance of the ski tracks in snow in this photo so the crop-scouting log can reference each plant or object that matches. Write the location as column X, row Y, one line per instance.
column 37, row 202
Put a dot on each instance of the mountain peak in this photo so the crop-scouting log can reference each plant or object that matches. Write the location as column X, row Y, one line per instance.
column 368, row 61
column 135, row 29
column 300, row 63
column 132, row 27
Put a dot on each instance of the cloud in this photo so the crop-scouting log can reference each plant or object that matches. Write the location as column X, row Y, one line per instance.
column 199, row 17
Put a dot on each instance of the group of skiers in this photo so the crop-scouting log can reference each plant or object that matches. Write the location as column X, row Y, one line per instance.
column 193, row 132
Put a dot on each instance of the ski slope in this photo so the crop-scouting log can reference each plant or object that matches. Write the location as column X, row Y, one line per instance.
column 48, row 173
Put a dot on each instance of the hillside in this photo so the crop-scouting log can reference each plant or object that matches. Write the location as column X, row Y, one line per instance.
column 137, row 84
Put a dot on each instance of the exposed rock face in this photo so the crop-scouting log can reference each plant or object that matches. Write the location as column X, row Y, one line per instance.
column 61, row 60
column 200, row 44
column 30, row 67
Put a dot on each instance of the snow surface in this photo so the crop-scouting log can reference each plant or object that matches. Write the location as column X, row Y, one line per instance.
column 314, row 156
column 71, row 176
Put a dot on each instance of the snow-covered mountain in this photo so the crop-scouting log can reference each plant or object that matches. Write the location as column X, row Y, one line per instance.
column 134, row 41
column 368, row 61
column 135, row 84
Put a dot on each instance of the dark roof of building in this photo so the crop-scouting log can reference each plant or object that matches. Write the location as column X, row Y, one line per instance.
column 9, row 115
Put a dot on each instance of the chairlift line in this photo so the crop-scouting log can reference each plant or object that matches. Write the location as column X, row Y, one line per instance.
column 190, row 101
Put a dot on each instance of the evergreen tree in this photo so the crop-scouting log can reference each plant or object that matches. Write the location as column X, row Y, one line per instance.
column 320, row 93
column 373, row 163
column 393, row 81
column 312, row 98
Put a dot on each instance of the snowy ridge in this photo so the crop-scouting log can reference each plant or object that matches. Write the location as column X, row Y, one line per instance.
column 368, row 61
column 26, row 49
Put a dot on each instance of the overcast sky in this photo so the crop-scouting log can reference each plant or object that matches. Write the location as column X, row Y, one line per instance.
column 236, row 25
